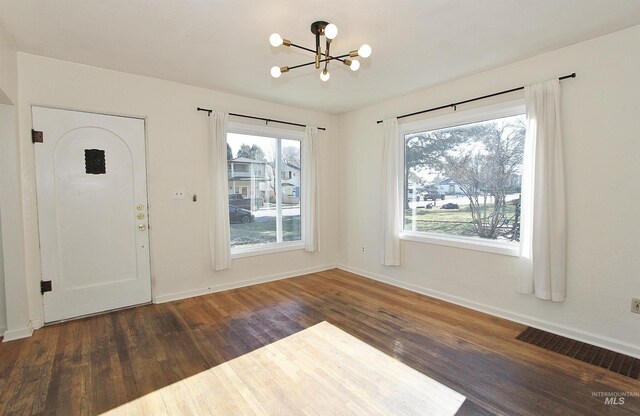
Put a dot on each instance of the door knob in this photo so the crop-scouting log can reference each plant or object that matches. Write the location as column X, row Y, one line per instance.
column 142, row 227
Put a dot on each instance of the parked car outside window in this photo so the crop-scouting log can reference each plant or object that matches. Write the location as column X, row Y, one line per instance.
column 432, row 195
column 239, row 215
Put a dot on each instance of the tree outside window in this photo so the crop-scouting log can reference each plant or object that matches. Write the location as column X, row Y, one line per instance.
column 465, row 180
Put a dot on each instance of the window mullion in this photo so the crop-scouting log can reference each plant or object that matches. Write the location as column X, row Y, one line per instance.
column 278, row 184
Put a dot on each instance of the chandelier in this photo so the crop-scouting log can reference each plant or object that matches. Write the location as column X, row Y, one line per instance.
column 322, row 58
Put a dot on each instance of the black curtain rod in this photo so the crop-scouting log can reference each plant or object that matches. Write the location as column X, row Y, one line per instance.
column 454, row 105
column 267, row 120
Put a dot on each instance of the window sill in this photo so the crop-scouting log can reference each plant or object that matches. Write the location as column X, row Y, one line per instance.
column 496, row 247
column 239, row 253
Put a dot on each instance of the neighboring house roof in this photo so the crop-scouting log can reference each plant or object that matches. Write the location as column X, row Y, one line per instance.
column 245, row 160
column 293, row 167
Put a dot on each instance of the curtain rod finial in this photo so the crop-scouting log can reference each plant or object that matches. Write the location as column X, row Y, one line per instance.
column 205, row 109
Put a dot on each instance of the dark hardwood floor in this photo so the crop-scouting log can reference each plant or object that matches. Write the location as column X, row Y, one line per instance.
column 94, row 364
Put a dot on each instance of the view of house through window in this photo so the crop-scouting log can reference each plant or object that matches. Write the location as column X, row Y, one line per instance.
column 264, row 189
column 465, row 180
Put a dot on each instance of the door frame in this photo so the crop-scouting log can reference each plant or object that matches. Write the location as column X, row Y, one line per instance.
column 34, row 287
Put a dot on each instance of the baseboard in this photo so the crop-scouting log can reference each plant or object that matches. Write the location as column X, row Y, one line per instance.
column 20, row 333
column 590, row 338
column 37, row 323
column 242, row 283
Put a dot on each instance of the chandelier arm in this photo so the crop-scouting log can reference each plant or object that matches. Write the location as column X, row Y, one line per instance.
column 307, row 64
column 301, row 65
column 306, row 49
column 339, row 57
column 318, row 51
column 326, row 54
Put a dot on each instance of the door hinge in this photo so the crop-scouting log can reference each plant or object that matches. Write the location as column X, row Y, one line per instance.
column 37, row 136
column 45, row 286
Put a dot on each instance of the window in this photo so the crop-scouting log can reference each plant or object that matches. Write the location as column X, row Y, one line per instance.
column 264, row 207
column 462, row 177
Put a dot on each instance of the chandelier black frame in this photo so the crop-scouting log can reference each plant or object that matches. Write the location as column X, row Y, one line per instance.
column 329, row 31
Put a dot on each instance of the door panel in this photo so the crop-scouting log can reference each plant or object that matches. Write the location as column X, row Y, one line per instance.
column 92, row 212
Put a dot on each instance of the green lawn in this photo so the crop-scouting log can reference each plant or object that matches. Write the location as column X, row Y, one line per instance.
column 455, row 222
column 263, row 231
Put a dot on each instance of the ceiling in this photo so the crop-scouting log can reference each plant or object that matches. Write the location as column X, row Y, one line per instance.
column 223, row 44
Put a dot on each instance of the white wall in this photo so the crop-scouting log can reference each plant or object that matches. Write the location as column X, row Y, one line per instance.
column 8, row 69
column 602, row 147
column 176, row 138
column 3, row 309
column 16, row 318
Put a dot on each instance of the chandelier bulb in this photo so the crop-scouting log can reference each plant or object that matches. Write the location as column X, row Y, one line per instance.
column 364, row 51
column 324, row 75
column 331, row 31
column 275, row 72
column 355, row 65
column 275, row 40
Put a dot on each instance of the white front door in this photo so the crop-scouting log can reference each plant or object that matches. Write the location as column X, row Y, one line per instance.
column 92, row 212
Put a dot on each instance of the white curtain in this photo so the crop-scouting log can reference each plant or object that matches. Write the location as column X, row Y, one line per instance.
column 219, row 238
column 543, row 224
column 310, row 189
column 392, row 203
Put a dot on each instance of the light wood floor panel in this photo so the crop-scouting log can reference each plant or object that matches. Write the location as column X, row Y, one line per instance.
column 93, row 365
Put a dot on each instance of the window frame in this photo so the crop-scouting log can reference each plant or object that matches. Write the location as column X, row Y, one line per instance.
column 269, row 132
column 458, row 118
